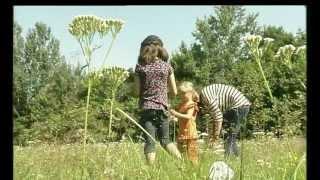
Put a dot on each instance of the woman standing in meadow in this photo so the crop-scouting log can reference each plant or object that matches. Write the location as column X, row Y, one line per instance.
column 187, row 113
column 153, row 76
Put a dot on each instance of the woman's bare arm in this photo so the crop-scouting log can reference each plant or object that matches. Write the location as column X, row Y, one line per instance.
column 172, row 84
column 136, row 88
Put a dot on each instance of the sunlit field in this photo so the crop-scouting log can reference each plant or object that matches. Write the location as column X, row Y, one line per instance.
column 77, row 110
column 264, row 158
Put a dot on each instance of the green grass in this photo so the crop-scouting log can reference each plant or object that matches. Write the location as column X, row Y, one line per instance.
column 265, row 158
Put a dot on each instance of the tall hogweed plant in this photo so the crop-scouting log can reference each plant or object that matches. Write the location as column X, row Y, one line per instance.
column 87, row 29
column 286, row 53
column 115, row 76
column 256, row 50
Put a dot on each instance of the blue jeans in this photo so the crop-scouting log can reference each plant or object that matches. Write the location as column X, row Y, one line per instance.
column 156, row 123
column 233, row 119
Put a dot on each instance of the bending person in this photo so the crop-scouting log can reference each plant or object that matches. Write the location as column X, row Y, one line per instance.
column 228, row 105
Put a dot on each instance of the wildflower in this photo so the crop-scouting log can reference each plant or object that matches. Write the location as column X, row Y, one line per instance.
column 285, row 52
column 218, row 151
column 253, row 40
column 269, row 134
column 204, row 134
column 268, row 164
column 109, row 171
column 300, row 49
column 115, row 24
column 260, row 162
column 87, row 25
column 268, row 40
column 289, row 48
column 258, row 134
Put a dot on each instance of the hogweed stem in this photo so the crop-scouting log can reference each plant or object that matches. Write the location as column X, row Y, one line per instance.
column 86, row 118
column 108, row 51
column 111, row 108
column 264, row 79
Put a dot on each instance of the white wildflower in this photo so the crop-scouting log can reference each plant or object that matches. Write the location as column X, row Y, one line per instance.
column 204, row 134
column 258, row 134
column 270, row 134
column 218, row 151
column 260, row 162
column 253, row 41
column 268, row 40
column 285, row 53
column 300, row 49
column 268, row 164
column 289, row 48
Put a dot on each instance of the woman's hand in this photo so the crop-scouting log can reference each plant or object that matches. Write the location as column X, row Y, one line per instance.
column 172, row 85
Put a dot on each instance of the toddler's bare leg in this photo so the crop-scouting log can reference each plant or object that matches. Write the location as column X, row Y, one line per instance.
column 151, row 158
column 172, row 149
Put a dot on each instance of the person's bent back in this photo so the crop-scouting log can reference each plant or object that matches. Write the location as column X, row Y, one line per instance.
column 225, row 102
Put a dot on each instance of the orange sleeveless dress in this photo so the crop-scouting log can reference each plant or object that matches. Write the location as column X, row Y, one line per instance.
column 187, row 136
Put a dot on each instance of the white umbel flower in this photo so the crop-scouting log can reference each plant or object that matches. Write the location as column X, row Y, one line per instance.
column 289, row 48
column 268, row 40
column 86, row 25
column 300, row 49
column 285, row 52
column 252, row 40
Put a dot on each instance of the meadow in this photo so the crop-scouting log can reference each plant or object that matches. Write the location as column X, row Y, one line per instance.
column 69, row 119
column 264, row 158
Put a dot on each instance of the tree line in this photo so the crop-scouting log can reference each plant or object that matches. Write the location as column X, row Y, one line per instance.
column 49, row 94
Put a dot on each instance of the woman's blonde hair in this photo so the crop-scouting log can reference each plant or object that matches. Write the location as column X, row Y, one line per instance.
column 187, row 86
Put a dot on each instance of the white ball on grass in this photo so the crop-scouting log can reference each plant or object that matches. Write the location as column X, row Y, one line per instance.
column 219, row 170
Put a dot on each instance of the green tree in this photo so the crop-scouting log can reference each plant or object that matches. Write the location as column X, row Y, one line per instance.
column 19, row 103
column 218, row 45
column 19, row 86
column 38, row 66
column 41, row 54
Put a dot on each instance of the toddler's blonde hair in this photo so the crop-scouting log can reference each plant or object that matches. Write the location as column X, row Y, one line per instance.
column 187, row 86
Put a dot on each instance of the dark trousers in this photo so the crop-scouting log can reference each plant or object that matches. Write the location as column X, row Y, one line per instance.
column 233, row 119
column 156, row 123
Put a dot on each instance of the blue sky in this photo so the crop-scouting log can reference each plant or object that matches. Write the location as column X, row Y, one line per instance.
column 172, row 23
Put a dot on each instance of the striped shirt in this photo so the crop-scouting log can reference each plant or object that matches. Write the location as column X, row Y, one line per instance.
column 219, row 98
